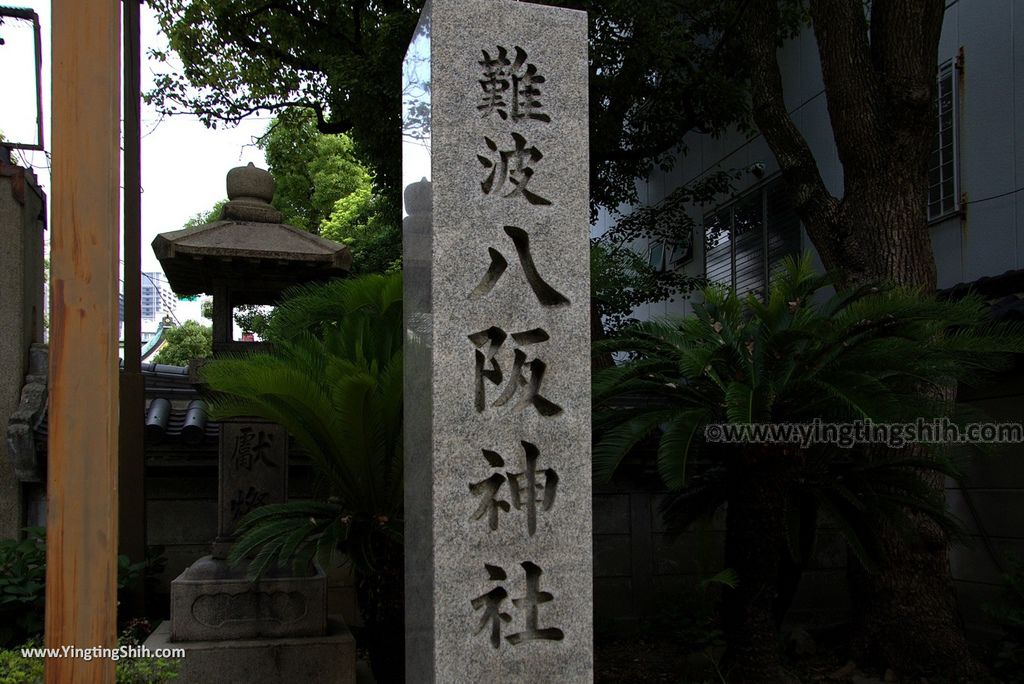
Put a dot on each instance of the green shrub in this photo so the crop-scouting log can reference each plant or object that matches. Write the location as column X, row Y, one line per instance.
column 23, row 584
column 16, row 669
column 146, row 671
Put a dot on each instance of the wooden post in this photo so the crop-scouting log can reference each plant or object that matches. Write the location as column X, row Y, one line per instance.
column 132, row 466
column 81, row 553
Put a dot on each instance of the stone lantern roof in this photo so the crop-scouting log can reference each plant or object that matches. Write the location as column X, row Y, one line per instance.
column 247, row 256
column 248, row 249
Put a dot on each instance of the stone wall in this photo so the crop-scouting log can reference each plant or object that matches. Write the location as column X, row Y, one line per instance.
column 22, row 218
column 990, row 504
column 642, row 572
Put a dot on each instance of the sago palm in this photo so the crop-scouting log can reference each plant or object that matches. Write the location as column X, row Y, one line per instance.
column 871, row 354
column 334, row 380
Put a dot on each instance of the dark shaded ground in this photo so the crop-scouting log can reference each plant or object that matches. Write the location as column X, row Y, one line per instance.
column 647, row 660
column 650, row 659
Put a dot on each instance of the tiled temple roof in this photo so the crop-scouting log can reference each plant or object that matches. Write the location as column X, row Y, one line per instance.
column 175, row 415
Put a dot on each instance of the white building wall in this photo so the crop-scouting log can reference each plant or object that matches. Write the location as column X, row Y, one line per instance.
column 990, row 113
column 991, row 157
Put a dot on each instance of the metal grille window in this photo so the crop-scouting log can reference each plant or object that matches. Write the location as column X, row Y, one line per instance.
column 942, row 182
column 745, row 241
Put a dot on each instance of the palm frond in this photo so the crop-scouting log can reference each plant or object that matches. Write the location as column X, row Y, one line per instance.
column 334, row 381
column 875, row 353
column 615, row 444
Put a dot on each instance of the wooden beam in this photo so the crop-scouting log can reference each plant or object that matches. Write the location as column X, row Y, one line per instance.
column 132, row 466
column 81, row 549
column 132, row 190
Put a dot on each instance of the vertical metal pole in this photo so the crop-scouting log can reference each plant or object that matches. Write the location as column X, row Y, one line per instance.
column 81, row 549
column 132, row 466
column 36, row 34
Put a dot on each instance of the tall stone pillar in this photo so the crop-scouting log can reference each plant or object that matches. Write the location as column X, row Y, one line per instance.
column 497, row 447
column 22, row 207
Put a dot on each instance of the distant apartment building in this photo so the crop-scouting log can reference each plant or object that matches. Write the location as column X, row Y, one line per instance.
column 155, row 295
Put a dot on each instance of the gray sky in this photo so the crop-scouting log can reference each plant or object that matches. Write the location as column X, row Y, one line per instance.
column 183, row 163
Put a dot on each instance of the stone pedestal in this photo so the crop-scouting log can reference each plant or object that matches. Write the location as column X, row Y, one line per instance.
column 326, row 659
column 211, row 601
column 497, row 387
column 235, row 630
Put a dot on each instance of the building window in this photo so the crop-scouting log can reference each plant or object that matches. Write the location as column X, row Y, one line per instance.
column 664, row 257
column 942, row 181
column 656, row 256
column 745, row 240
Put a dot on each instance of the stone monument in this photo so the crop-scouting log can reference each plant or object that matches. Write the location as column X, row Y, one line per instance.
column 497, row 403
column 234, row 630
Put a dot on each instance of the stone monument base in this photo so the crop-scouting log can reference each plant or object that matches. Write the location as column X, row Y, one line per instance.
column 212, row 600
column 329, row 659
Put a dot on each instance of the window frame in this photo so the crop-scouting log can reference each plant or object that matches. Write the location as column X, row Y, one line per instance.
column 762, row 189
column 950, row 68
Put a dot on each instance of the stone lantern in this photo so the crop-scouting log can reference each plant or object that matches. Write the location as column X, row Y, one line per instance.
column 247, row 256
column 276, row 630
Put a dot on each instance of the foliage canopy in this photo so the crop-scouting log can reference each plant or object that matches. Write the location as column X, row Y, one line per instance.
column 188, row 341
column 322, row 187
column 312, row 170
column 655, row 73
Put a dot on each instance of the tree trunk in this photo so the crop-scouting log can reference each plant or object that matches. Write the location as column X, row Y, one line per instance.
column 880, row 85
column 791, row 569
column 754, row 543
column 381, row 597
column 906, row 616
column 908, row 619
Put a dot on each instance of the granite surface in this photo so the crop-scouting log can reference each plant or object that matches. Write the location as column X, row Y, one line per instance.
column 326, row 659
column 253, row 470
column 498, row 491
column 211, row 601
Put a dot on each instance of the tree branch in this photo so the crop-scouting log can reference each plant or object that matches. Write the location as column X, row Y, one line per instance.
column 236, row 116
column 325, row 126
column 851, row 85
column 234, row 28
column 615, row 154
column 815, row 205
